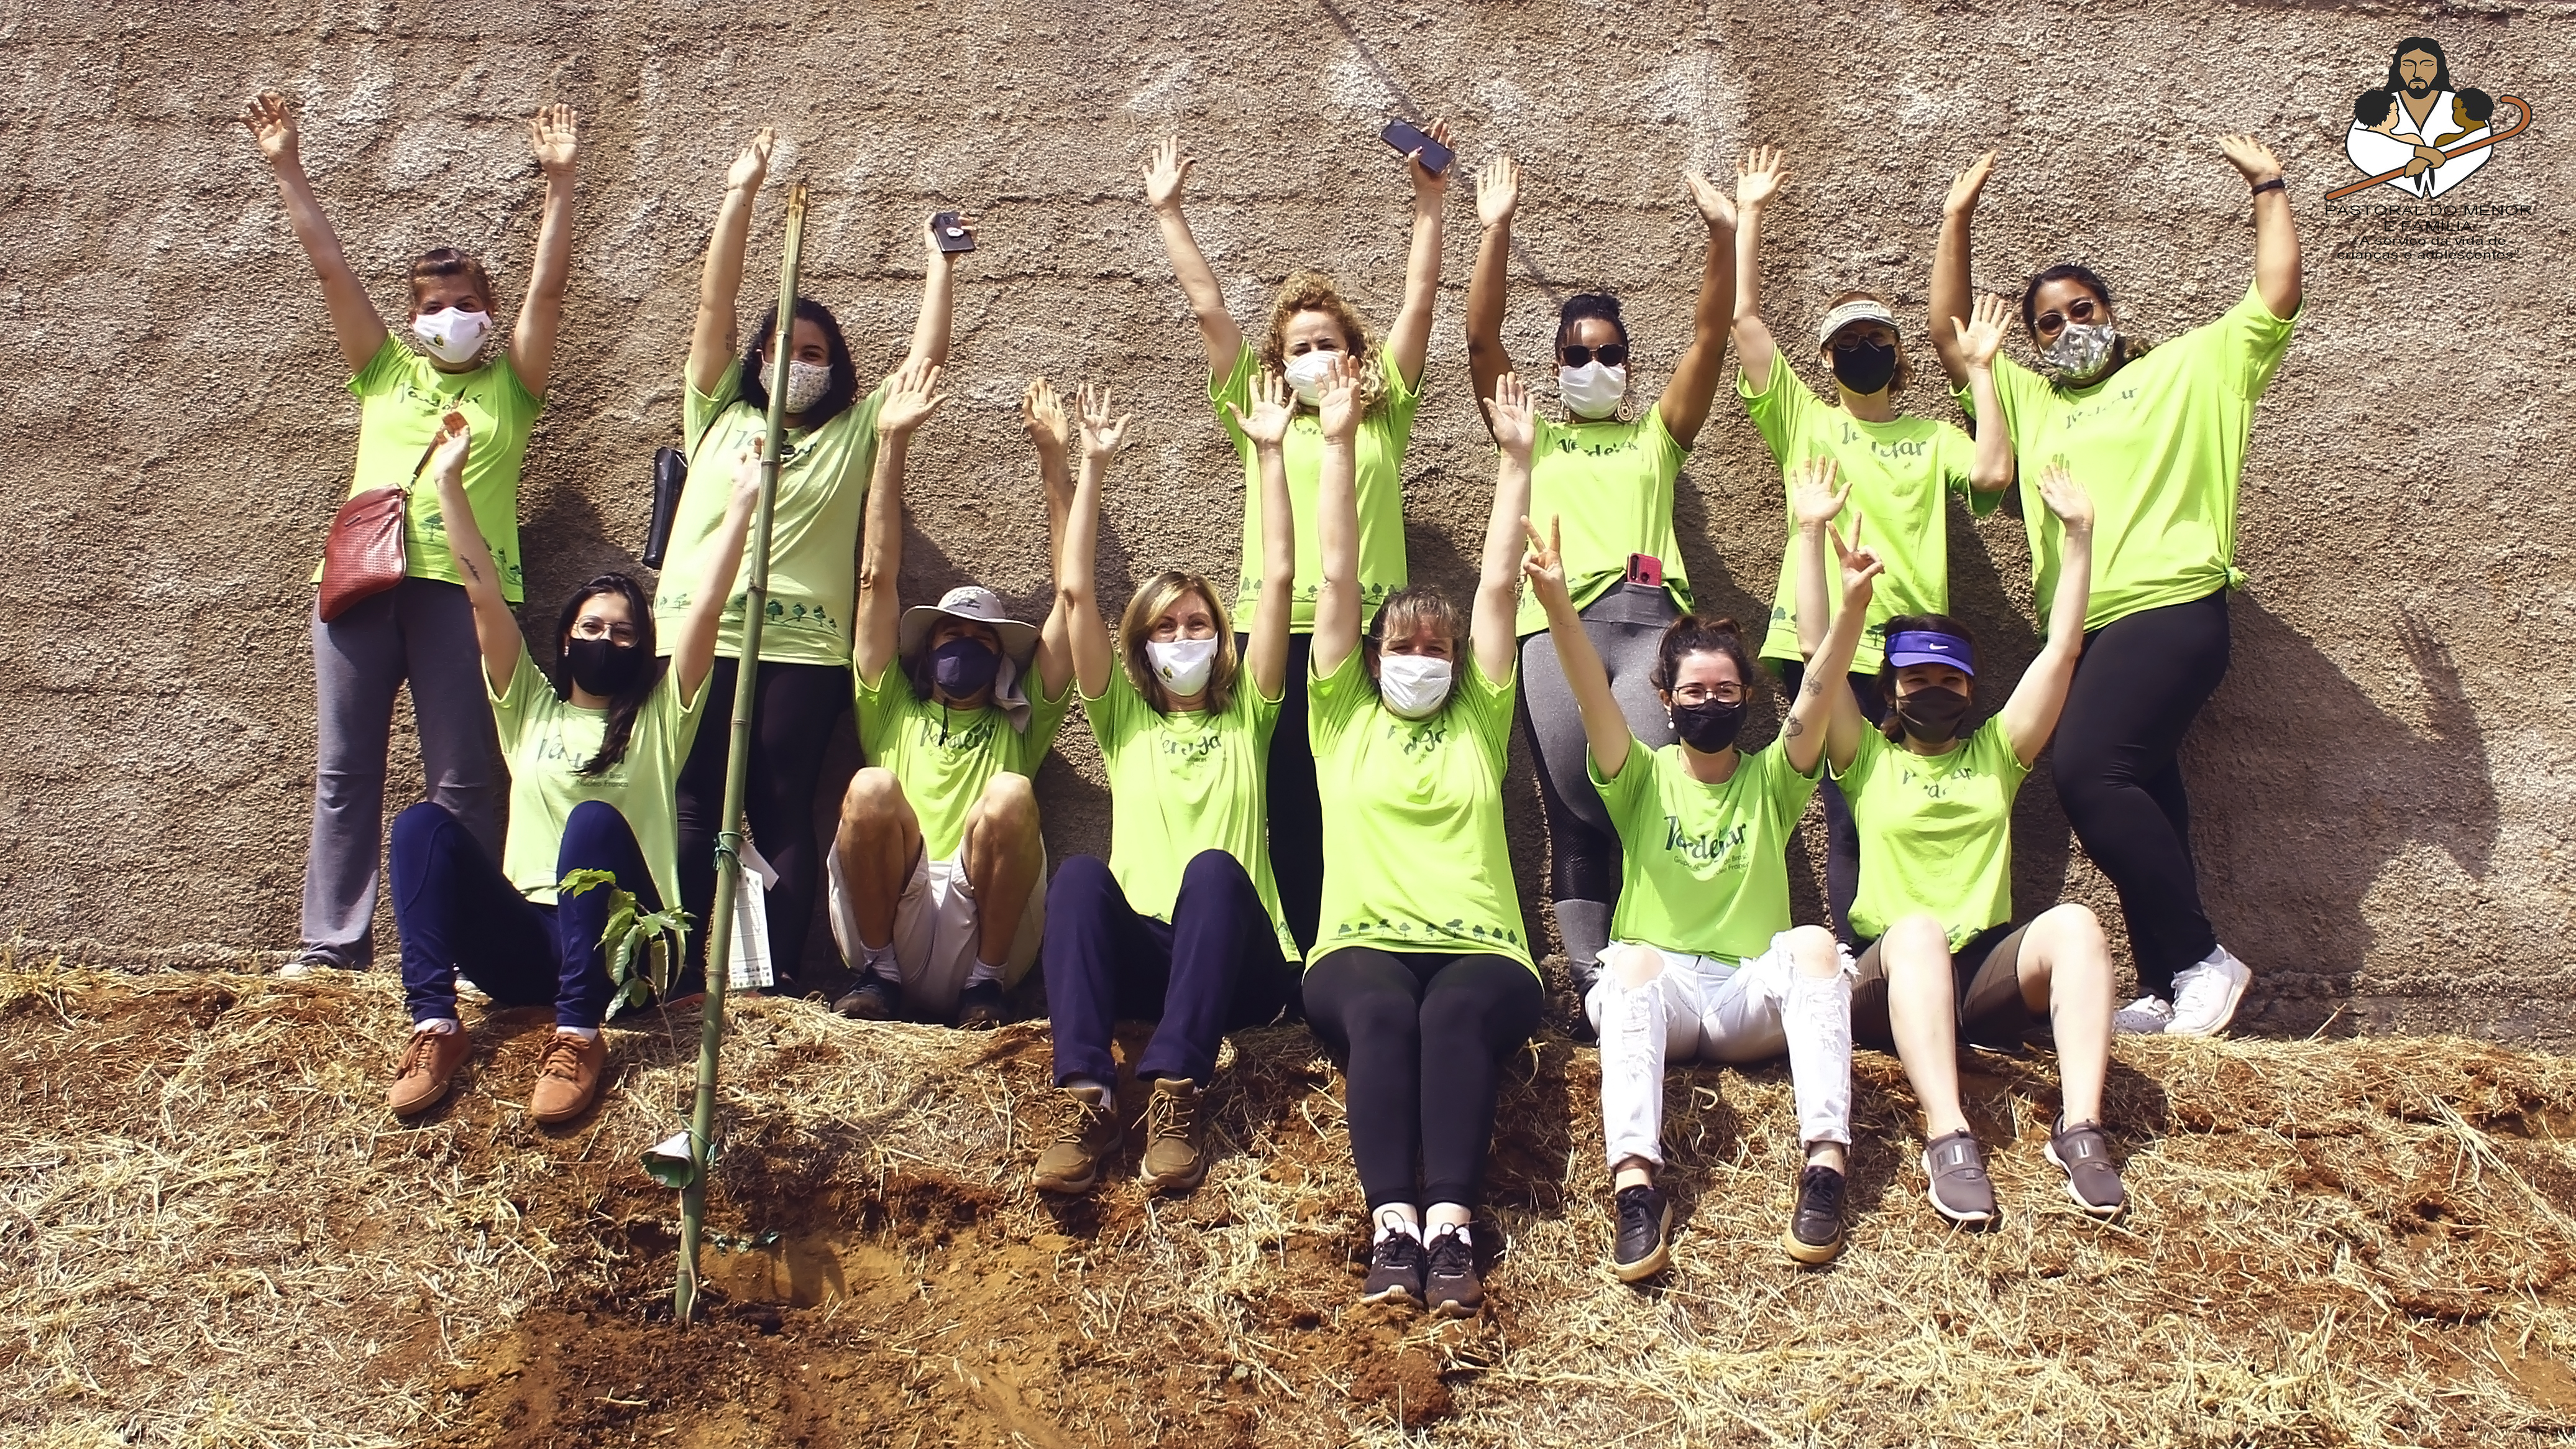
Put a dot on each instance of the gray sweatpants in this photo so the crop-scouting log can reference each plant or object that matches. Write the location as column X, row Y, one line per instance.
column 421, row 630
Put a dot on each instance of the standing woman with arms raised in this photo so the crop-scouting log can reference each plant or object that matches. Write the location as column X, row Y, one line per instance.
column 1310, row 329
column 1608, row 481
column 2159, row 437
column 422, row 629
column 822, row 493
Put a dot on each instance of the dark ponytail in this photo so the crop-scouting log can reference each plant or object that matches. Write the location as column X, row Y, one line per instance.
column 623, row 707
column 1699, row 634
column 2076, row 272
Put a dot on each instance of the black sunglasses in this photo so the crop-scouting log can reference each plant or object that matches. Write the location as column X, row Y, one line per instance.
column 1614, row 355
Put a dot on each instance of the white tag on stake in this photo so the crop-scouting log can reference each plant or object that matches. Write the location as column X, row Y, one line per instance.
column 750, row 968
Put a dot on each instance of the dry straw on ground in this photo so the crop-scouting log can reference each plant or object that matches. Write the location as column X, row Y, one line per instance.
column 212, row 1234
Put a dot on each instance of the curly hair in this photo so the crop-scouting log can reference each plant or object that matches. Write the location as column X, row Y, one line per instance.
column 1315, row 292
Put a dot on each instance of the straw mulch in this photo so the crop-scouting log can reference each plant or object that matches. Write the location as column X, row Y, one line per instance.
column 211, row 1233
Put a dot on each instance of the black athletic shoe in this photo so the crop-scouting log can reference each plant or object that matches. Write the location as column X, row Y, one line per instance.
column 1395, row 1270
column 1645, row 1233
column 1449, row 1283
column 1815, row 1234
column 873, row 999
column 979, row 1006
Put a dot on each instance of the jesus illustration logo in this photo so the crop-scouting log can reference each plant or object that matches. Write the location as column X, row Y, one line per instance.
column 2418, row 134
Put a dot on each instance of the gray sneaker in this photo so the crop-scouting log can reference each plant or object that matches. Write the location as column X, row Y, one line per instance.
column 2146, row 1016
column 1959, row 1189
column 2083, row 1150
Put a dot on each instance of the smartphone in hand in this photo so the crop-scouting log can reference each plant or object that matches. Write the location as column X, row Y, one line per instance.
column 1408, row 138
column 950, row 233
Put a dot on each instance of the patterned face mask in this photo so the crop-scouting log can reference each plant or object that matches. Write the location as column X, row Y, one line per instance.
column 806, row 385
column 2081, row 351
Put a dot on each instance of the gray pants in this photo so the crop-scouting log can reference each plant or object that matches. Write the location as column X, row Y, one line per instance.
column 1624, row 625
column 421, row 630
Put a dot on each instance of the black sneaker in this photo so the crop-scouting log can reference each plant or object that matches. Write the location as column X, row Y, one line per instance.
column 1449, row 1283
column 979, row 1006
column 2092, row 1179
column 1395, row 1270
column 1815, row 1235
column 873, row 999
column 1959, row 1190
column 1645, row 1233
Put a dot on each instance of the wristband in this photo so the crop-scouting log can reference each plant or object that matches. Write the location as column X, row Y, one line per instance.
column 2275, row 184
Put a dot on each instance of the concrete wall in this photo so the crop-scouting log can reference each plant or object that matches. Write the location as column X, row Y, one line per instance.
column 2382, row 788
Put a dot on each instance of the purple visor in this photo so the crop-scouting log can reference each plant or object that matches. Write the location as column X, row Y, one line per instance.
column 1922, row 646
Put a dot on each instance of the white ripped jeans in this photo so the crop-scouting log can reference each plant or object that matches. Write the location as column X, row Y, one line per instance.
column 1703, row 1009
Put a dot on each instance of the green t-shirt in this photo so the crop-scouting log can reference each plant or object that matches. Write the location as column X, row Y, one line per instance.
column 1704, row 867
column 813, row 535
column 2160, row 445
column 1898, row 471
column 1377, row 482
column 1935, row 832
column 1609, row 486
column 402, row 401
column 547, row 740
column 1182, row 783
column 944, row 758
column 1414, row 855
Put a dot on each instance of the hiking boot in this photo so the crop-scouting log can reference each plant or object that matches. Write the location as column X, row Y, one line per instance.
column 1645, row 1245
column 2146, row 1016
column 1449, row 1284
column 2083, row 1149
column 1959, row 1190
column 979, row 1006
column 1089, row 1133
column 568, row 1078
column 1815, row 1233
column 1174, row 1161
column 873, row 999
column 2206, row 993
column 1395, row 1269
column 428, row 1066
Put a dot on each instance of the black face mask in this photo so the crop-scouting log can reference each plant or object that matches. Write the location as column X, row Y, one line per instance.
column 963, row 667
column 1864, row 367
column 1710, row 726
column 1933, row 714
column 603, row 666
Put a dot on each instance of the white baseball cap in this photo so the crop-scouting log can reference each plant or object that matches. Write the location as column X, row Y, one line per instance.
column 1858, row 309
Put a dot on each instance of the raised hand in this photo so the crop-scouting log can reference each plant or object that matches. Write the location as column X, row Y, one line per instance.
column 746, row 474
column 1544, row 564
column 1042, row 417
column 1715, row 207
column 911, row 397
column 1983, row 333
column 1339, row 407
column 1498, row 190
column 1427, row 182
column 930, row 239
column 2252, row 158
column 1758, row 176
column 1272, row 407
column 752, row 167
column 1813, row 499
column 1166, row 170
column 2065, row 497
column 272, row 124
column 1101, row 433
column 554, row 134
column 1860, row 566
column 1970, row 185
column 1513, row 416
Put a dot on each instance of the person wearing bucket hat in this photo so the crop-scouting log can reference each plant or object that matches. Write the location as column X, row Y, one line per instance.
column 1899, row 469
column 1608, row 479
column 937, row 875
column 1945, row 961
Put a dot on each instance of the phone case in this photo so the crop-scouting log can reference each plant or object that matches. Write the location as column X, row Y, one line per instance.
column 1408, row 138
column 951, row 236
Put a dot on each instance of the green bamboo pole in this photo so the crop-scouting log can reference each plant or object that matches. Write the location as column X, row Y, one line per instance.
column 755, row 604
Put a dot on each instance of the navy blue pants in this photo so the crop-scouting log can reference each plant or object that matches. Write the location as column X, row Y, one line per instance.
column 1214, row 968
column 457, row 912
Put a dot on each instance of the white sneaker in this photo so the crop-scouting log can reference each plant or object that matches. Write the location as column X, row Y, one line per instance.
column 2146, row 1016
column 2206, row 993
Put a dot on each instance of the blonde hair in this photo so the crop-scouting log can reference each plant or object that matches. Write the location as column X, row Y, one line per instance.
column 1136, row 629
column 1904, row 365
column 1407, row 610
column 1315, row 292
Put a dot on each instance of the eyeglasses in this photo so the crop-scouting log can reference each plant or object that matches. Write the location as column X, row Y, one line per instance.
column 1613, row 355
column 2082, row 309
column 1702, row 694
column 600, row 629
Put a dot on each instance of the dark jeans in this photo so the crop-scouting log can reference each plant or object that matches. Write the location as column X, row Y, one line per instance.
column 791, row 727
column 1842, row 836
column 1214, row 968
column 458, row 913
column 1296, row 805
column 1421, row 1036
column 2118, row 769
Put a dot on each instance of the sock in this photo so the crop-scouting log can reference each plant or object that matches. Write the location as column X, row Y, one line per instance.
column 1078, row 1084
column 1391, row 1221
column 445, row 1025
column 984, row 971
column 585, row 1033
column 878, row 961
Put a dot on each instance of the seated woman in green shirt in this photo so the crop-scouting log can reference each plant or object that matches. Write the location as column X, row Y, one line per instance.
column 592, row 751
column 1703, row 962
column 1311, row 327
column 1945, row 960
column 1180, row 926
column 1421, row 982
column 1608, row 480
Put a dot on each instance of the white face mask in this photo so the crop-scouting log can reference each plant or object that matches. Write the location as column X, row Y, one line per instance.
column 806, row 384
column 2081, row 351
column 1183, row 665
column 1592, row 390
column 1413, row 685
column 1306, row 374
column 452, row 334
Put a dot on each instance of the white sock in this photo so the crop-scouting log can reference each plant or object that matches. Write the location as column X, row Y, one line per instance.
column 984, row 971
column 1390, row 1221
column 585, row 1033
column 444, row 1025
column 1078, row 1084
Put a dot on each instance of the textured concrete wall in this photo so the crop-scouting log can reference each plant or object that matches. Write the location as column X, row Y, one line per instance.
column 2382, row 787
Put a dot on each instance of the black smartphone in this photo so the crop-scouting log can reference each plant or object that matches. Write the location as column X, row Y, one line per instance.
column 1408, row 138
column 951, row 233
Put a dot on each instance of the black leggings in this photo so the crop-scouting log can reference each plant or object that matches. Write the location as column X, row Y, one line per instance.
column 1296, row 805
column 1421, row 1036
column 1842, row 836
column 791, row 726
column 2141, row 683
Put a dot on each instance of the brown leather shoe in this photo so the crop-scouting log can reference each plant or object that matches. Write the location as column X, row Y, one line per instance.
column 567, row 1078
column 428, row 1067
column 1173, row 1161
column 1090, row 1132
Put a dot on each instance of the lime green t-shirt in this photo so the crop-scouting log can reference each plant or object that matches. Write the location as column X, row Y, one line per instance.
column 547, row 740
column 1377, row 482
column 1609, row 486
column 1704, row 867
column 1181, row 783
column 402, row 402
column 1898, row 471
column 1414, row 855
column 813, row 535
column 945, row 757
column 2160, row 445
column 1935, row 832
